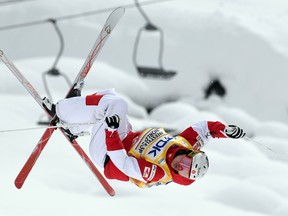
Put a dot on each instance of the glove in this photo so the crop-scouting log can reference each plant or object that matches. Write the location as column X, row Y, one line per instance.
column 234, row 132
column 113, row 121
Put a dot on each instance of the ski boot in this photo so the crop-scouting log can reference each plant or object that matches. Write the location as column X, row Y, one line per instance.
column 76, row 91
column 73, row 136
column 67, row 131
column 49, row 107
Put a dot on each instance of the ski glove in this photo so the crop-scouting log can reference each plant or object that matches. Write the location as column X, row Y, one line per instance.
column 113, row 121
column 234, row 132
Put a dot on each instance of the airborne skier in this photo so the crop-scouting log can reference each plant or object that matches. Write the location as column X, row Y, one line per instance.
column 147, row 158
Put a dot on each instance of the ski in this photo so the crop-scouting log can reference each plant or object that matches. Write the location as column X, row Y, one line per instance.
column 104, row 34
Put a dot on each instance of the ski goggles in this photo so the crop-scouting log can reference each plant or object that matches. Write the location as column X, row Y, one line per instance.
column 194, row 165
column 186, row 164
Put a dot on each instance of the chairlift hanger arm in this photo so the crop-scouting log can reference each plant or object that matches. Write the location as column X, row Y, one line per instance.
column 149, row 25
column 59, row 33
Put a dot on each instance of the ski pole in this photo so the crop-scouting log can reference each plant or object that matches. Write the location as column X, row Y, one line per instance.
column 263, row 146
column 59, row 125
column 269, row 149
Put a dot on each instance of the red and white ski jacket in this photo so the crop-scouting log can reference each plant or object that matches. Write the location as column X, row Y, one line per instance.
column 145, row 157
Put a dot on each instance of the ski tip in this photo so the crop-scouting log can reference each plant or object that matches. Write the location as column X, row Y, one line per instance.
column 120, row 9
column 18, row 184
column 1, row 53
column 111, row 193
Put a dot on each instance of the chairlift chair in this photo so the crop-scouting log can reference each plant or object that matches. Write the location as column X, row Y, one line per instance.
column 149, row 71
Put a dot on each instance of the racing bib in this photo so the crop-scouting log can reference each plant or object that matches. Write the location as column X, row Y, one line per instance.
column 152, row 145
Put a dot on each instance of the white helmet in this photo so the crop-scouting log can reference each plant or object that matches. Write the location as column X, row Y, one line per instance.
column 194, row 165
column 200, row 165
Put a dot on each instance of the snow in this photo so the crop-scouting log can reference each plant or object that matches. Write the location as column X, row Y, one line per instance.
column 237, row 41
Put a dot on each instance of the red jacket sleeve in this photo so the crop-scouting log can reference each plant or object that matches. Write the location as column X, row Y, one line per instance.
column 150, row 172
column 216, row 129
column 198, row 134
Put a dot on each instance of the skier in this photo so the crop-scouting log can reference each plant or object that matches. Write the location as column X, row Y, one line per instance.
column 147, row 158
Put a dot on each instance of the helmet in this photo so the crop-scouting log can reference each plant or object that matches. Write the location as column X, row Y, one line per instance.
column 194, row 165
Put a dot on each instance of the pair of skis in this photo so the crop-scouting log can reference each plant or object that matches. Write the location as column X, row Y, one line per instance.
column 109, row 25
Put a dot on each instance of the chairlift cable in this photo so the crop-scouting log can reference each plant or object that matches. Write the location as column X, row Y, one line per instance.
column 73, row 16
column 10, row 2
